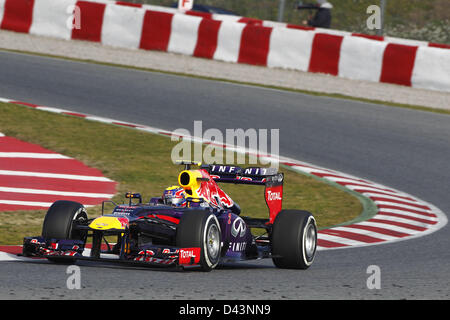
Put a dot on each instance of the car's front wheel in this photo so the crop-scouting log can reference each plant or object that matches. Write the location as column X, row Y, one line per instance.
column 60, row 220
column 201, row 229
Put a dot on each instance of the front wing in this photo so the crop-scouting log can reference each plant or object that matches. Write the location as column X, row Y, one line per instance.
column 148, row 255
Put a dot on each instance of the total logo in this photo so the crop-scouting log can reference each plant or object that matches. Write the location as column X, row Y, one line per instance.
column 273, row 195
column 188, row 255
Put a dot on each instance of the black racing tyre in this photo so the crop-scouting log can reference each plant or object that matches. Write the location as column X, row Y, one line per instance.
column 294, row 239
column 58, row 223
column 201, row 229
column 59, row 220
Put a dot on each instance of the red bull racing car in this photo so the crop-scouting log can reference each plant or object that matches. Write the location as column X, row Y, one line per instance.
column 194, row 223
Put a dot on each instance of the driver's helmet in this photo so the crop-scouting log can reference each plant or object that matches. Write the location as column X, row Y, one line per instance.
column 174, row 196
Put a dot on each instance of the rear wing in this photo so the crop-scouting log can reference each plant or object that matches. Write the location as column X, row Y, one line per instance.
column 268, row 177
column 238, row 175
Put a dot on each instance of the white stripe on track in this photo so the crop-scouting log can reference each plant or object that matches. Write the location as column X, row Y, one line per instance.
column 100, row 119
column 424, row 216
column 341, row 240
column 151, row 130
column 368, row 188
column 360, row 182
column 388, row 226
column 54, row 175
column 391, row 197
column 400, row 205
column 311, row 170
column 55, row 192
column 4, row 256
column 32, row 155
column 382, row 216
column 51, row 109
column 344, row 179
column 27, row 203
column 34, row 203
column 373, row 234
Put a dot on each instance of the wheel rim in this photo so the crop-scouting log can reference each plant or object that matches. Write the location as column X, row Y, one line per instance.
column 213, row 241
column 310, row 241
column 79, row 217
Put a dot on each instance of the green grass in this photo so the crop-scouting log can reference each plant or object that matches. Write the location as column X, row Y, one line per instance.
column 141, row 162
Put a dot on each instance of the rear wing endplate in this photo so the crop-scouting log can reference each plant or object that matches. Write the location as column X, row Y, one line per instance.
column 268, row 177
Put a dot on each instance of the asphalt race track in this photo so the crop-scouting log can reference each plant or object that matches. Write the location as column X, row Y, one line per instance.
column 400, row 148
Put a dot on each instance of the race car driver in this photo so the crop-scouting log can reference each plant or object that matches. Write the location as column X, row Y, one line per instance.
column 174, row 196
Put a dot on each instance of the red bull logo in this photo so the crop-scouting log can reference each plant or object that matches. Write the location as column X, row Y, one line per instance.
column 211, row 192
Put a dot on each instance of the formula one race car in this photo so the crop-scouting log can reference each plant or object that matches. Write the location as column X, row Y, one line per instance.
column 193, row 224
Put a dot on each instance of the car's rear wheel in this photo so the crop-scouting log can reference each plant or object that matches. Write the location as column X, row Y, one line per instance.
column 201, row 229
column 60, row 220
column 294, row 239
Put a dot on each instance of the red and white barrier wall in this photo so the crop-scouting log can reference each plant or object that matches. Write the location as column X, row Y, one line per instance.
column 234, row 39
